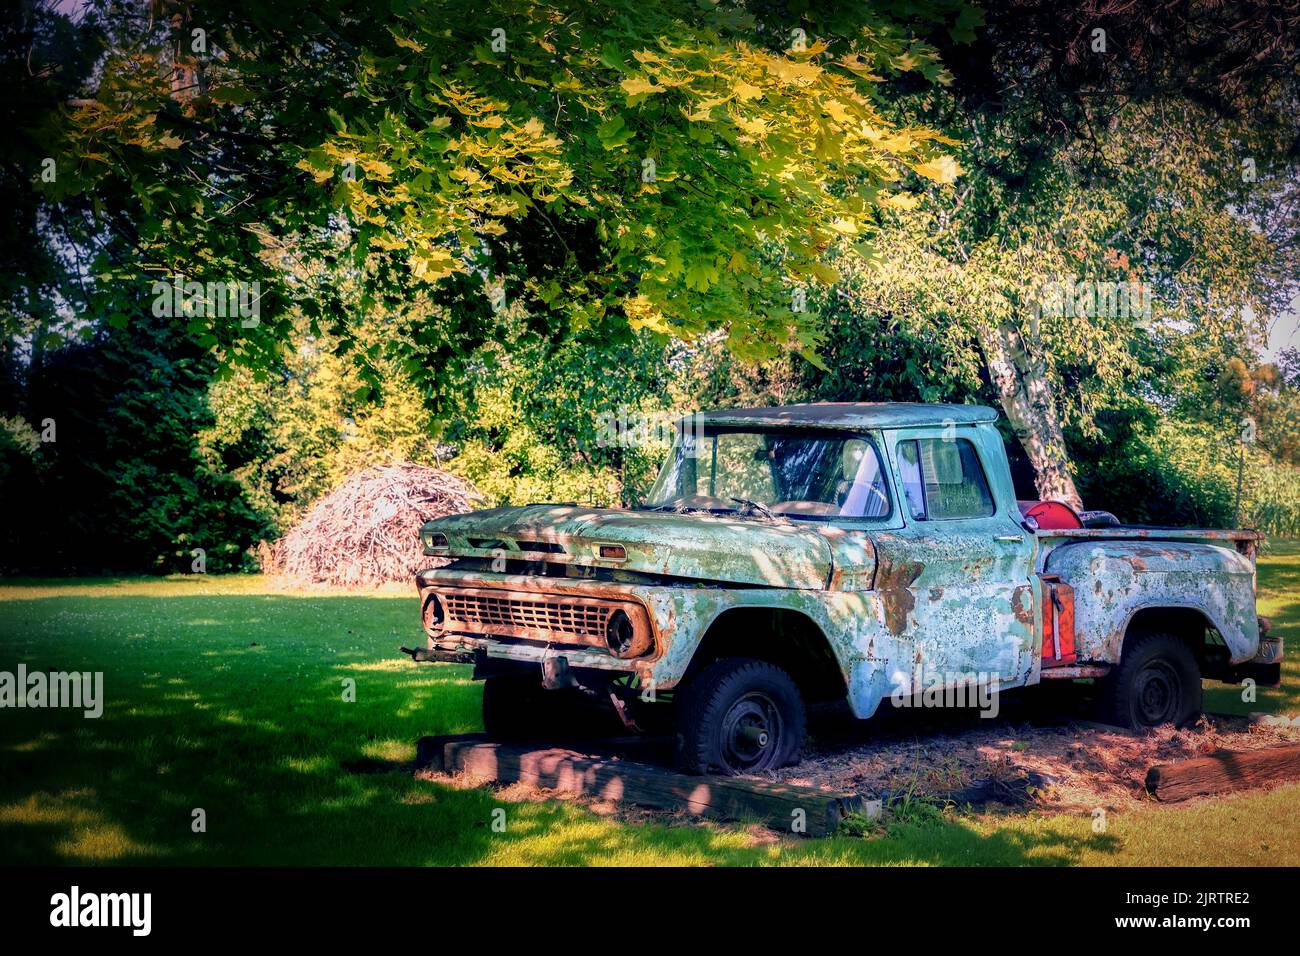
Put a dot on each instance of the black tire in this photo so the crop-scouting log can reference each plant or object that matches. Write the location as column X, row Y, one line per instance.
column 1157, row 682
column 739, row 715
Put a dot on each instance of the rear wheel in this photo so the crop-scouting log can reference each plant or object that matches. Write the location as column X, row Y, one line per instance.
column 739, row 715
column 1157, row 682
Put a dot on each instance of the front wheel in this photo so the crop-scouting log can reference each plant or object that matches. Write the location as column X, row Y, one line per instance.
column 739, row 715
column 1157, row 682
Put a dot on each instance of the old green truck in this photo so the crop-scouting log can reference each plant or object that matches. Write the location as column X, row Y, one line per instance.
column 858, row 552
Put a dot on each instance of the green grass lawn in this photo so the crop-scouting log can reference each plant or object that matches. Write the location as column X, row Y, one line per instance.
column 225, row 695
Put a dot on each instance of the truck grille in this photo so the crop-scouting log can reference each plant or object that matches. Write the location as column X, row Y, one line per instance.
column 553, row 618
column 556, row 616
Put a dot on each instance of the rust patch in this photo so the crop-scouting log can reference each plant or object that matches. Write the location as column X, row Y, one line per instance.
column 936, row 593
column 1022, row 605
column 893, row 583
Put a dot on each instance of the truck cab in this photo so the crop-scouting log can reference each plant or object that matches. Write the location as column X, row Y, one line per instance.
column 868, row 552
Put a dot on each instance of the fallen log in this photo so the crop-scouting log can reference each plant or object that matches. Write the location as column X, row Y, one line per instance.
column 808, row 811
column 1223, row 771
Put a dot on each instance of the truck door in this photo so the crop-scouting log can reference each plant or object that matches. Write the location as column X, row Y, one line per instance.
column 956, row 578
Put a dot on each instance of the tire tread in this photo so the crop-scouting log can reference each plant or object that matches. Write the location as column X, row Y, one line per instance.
column 703, row 700
column 1115, row 703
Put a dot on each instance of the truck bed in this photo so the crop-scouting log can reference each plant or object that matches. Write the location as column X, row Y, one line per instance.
column 1152, row 531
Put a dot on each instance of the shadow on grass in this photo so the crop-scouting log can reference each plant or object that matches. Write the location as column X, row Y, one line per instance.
column 234, row 705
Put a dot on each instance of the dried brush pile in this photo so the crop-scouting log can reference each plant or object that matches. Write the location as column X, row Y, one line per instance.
column 367, row 531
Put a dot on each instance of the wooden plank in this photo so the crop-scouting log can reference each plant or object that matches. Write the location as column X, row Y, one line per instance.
column 429, row 750
column 1223, row 771
column 777, row 805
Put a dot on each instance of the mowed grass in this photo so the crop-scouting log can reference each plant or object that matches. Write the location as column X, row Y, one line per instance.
column 227, row 696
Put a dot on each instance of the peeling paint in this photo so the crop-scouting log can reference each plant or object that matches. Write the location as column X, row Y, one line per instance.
column 894, row 585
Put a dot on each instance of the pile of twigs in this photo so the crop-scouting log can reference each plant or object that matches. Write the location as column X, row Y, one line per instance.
column 367, row 531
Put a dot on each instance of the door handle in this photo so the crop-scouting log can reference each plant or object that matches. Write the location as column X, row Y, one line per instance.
column 1009, row 538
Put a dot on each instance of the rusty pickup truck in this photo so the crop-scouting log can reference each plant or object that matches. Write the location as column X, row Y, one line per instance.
column 857, row 552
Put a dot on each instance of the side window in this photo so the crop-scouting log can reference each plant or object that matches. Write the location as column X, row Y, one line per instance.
column 943, row 479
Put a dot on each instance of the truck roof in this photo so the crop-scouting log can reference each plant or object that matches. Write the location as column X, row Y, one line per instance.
column 851, row 415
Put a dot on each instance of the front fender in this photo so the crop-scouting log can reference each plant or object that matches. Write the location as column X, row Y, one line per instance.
column 1113, row 580
column 850, row 621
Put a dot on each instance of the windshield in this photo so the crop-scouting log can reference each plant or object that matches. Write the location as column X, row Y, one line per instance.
column 795, row 474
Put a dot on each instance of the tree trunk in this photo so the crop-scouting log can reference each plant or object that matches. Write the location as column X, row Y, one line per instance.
column 1021, row 381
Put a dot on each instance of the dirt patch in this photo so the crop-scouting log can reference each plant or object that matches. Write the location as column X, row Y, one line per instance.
column 1069, row 768
column 1025, row 761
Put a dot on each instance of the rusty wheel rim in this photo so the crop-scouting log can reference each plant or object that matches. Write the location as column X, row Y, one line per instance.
column 1156, row 694
column 751, row 732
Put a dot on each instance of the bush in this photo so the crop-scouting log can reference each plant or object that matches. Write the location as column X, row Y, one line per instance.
column 366, row 532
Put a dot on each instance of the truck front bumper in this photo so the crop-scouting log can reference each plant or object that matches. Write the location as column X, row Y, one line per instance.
column 471, row 648
column 1265, row 668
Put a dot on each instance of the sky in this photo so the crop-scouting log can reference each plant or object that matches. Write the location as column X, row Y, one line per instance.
column 1284, row 331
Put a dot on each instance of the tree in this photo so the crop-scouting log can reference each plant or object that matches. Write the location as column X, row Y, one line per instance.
column 605, row 165
column 1104, row 143
column 689, row 168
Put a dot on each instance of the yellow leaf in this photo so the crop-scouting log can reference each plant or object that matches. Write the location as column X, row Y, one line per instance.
column 835, row 109
column 639, row 86
column 902, row 201
column 945, row 169
column 319, row 175
column 433, row 264
column 642, row 314
column 704, row 112
column 376, row 168
column 406, row 42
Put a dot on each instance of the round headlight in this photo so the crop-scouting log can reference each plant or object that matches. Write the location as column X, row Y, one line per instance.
column 432, row 615
column 619, row 633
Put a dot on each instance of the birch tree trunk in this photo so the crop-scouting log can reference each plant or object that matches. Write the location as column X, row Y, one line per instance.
column 1024, row 390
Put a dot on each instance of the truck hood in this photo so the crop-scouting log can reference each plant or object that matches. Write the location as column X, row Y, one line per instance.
column 733, row 549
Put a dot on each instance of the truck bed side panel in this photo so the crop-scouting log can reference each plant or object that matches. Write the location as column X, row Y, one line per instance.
column 1114, row 579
